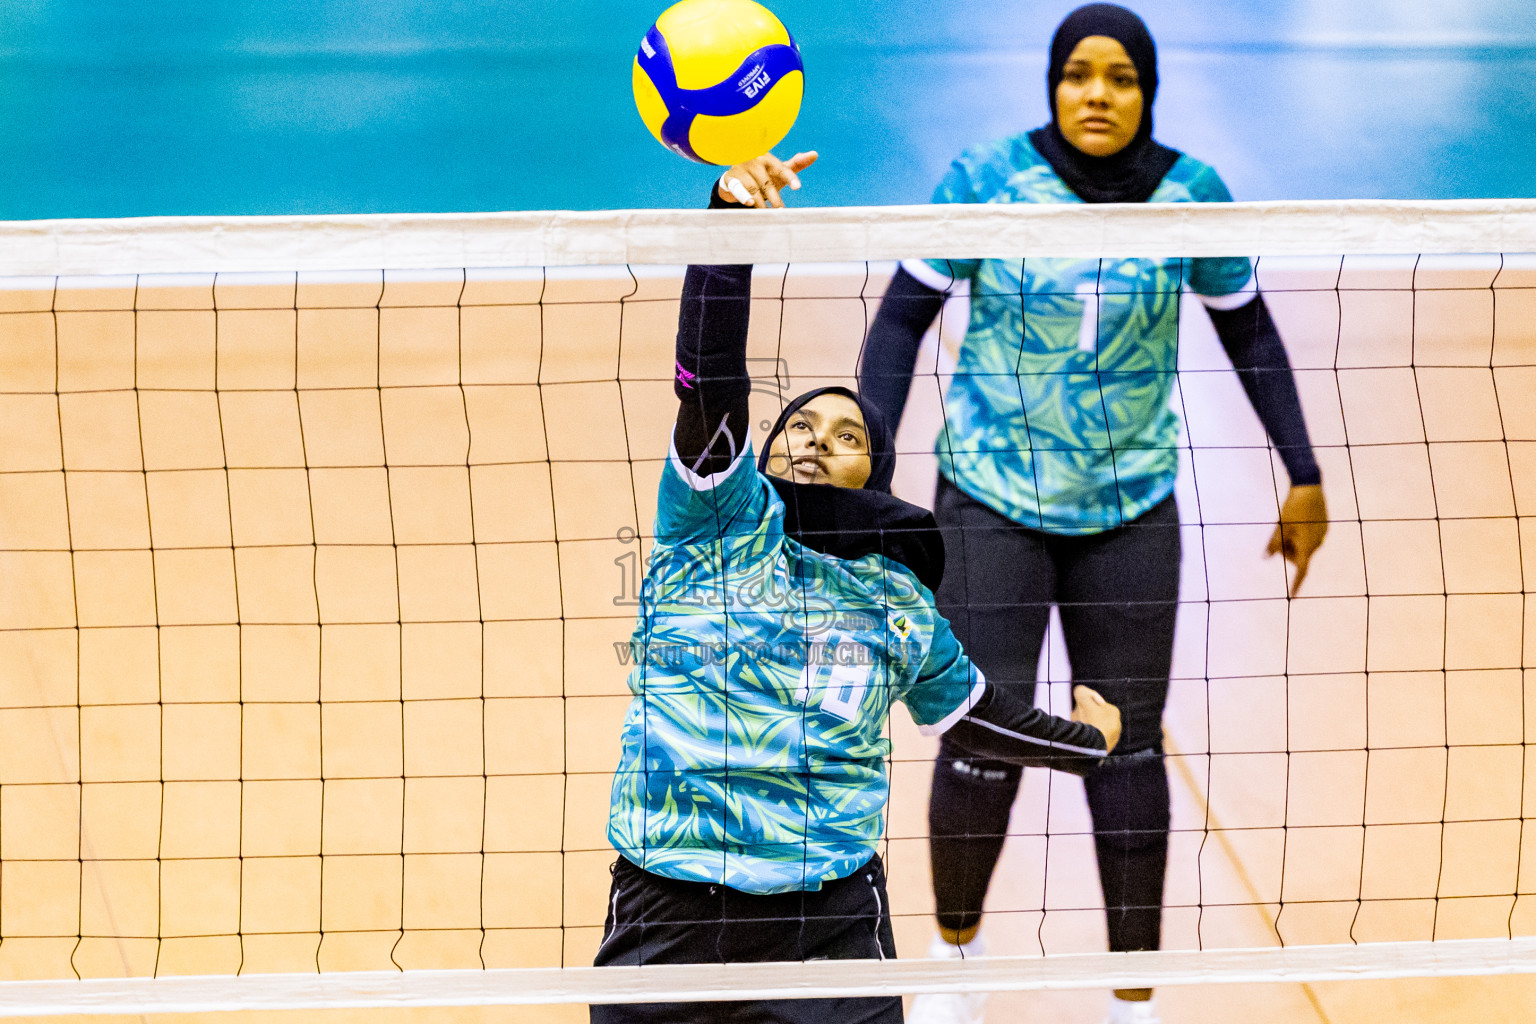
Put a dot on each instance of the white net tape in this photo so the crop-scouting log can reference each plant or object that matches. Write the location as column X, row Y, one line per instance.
column 817, row 979
column 159, row 245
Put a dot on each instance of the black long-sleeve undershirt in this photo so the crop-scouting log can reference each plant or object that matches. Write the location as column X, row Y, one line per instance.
column 907, row 310
column 1253, row 344
column 710, row 378
column 1006, row 726
column 1248, row 335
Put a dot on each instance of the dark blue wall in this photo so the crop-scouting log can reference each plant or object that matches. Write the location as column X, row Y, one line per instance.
column 184, row 106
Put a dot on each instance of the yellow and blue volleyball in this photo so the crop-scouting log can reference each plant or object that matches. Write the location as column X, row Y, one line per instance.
column 718, row 81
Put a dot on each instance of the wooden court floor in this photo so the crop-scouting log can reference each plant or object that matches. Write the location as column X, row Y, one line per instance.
column 307, row 653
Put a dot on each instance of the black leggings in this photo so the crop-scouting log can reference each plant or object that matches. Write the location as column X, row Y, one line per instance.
column 1117, row 593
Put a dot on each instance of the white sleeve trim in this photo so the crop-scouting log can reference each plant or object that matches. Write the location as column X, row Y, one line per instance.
column 706, row 483
column 940, row 727
column 1037, row 741
column 1235, row 300
column 926, row 274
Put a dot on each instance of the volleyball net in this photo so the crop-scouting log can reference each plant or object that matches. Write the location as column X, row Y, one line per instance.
column 321, row 563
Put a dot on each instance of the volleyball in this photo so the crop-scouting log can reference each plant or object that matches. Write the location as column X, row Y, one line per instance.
column 718, row 81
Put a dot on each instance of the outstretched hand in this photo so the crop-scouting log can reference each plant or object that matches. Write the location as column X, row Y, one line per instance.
column 758, row 182
column 1300, row 532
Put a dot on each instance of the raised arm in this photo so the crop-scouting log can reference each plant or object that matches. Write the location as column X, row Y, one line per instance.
column 890, row 352
column 710, row 378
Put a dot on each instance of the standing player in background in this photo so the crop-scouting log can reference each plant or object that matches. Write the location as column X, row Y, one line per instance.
column 786, row 606
column 1057, row 463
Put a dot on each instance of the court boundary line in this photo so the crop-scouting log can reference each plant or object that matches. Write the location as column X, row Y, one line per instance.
column 1216, row 828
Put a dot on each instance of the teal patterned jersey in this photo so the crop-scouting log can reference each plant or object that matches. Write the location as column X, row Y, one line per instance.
column 754, row 749
column 1058, row 415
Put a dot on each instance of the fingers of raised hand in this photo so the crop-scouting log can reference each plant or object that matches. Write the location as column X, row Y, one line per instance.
column 800, row 161
column 766, row 189
column 758, row 182
column 737, row 191
column 736, row 186
column 784, row 173
column 784, row 177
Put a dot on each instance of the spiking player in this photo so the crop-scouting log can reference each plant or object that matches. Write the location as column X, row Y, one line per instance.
column 787, row 604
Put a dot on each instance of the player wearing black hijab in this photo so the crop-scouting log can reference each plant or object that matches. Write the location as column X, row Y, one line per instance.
column 1057, row 464
column 1127, row 175
column 786, row 606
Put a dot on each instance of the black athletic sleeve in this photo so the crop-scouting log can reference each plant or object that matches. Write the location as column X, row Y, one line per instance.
column 1003, row 725
column 1253, row 344
column 710, row 378
column 890, row 352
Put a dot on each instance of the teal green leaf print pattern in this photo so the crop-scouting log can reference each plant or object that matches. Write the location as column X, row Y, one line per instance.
column 754, row 748
column 1058, row 414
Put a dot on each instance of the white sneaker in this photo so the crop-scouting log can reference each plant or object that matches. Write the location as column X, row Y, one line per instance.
column 1124, row 1011
column 950, row 1007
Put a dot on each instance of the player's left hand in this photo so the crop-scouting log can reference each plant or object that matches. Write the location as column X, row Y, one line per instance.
column 758, row 182
column 1300, row 532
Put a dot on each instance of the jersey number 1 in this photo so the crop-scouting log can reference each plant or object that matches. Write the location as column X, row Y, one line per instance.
column 1088, row 330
